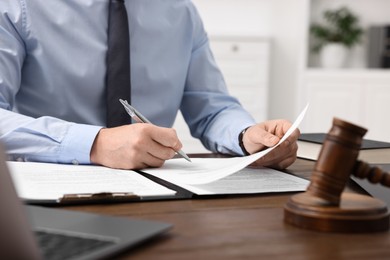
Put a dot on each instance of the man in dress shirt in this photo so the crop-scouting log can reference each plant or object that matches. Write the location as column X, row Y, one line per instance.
column 52, row 87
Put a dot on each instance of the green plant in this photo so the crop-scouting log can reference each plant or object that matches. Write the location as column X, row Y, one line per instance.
column 342, row 26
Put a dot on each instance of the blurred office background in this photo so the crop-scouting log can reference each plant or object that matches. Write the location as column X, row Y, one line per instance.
column 264, row 50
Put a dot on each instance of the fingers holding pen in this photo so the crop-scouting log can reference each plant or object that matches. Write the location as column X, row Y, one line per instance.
column 166, row 137
column 134, row 146
column 165, row 143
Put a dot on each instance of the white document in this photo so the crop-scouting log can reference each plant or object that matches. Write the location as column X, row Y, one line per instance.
column 206, row 170
column 46, row 181
column 251, row 181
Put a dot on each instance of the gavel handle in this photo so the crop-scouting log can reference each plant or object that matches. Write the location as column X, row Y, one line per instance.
column 373, row 174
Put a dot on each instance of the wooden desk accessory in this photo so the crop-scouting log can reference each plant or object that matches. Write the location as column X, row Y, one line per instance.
column 324, row 206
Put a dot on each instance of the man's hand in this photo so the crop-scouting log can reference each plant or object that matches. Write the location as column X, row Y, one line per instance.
column 134, row 146
column 268, row 134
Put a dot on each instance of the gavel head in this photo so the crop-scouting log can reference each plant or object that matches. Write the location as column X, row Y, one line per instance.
column 336, row 160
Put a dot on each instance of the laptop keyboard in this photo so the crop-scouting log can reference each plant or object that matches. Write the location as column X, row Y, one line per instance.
column 56, row 245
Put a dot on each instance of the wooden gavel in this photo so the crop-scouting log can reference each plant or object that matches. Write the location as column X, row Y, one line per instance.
column 338, row 160
column 324, row 206
column 374, row 174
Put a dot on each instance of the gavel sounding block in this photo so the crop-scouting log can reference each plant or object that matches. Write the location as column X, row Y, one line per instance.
column 325, row 206
column 355, row 214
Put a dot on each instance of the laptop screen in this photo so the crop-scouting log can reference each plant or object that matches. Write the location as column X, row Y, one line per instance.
column 16, row 239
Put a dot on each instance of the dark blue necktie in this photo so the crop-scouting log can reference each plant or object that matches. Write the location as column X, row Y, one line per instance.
column 118, row 64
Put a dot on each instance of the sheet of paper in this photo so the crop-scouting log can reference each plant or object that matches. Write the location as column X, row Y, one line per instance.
column 206, row 170
column 45, row 181
column 251, row 181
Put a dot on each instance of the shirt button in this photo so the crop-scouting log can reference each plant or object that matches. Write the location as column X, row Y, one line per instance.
column 75, row 162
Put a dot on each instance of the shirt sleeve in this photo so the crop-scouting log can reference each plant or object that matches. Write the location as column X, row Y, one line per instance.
column 213, row 116
column 45, row 139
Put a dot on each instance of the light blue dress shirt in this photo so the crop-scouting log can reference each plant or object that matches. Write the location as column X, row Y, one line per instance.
column 52, row 76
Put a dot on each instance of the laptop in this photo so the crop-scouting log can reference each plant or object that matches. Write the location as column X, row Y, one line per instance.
column 33, row 232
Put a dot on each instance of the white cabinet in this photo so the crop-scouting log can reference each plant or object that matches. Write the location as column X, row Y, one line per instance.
column 244, row 62
column 245, row 65
column 359, row 96
column 355, row 94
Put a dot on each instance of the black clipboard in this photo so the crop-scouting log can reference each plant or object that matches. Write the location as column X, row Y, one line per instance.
column 115, row 197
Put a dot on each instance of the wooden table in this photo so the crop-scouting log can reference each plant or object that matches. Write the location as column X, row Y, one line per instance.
column 241, row 227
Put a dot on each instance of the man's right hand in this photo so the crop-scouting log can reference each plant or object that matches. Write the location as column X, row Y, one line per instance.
column 134, row 146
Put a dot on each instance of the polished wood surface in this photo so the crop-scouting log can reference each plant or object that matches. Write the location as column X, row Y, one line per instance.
column 241, row 227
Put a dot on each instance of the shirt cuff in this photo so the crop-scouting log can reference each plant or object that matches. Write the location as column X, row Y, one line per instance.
column 77, row 144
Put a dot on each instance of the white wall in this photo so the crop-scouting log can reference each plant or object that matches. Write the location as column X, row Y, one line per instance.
column 236, row 17
column 289, row 30
column 284, row 21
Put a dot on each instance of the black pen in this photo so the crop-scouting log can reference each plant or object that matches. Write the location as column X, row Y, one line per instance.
column 139, row 118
